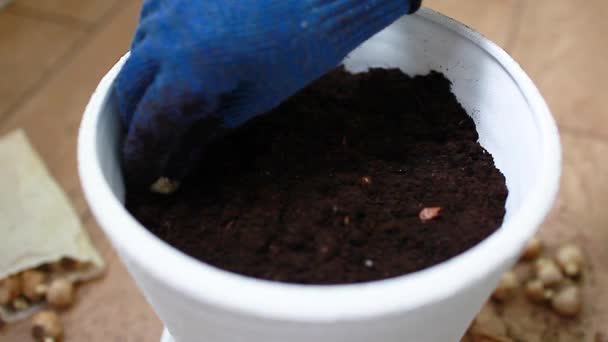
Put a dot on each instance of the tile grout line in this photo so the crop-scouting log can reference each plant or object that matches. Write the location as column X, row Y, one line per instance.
column 25, row 11
column 62, row 61
column 516, row 26
column 583, row 133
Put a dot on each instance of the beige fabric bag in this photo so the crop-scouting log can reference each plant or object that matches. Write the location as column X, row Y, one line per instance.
column 37, row 222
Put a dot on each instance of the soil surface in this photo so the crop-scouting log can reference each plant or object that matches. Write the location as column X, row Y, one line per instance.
column 328, row 187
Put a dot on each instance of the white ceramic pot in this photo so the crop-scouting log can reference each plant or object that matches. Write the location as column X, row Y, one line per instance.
column 198, row 302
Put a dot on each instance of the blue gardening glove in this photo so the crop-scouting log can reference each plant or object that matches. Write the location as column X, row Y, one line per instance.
column 201, row 67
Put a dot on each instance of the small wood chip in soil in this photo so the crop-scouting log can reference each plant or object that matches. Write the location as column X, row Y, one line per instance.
column 428, row 214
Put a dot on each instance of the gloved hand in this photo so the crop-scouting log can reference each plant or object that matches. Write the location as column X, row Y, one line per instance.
column 199, row 68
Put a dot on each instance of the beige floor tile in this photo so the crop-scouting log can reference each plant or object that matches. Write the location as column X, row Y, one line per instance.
column 584, row 188
column 496, row 19
column 52, row 115
column 89, row 11
column 111, row 309
column 30, row 49
column 562, row 44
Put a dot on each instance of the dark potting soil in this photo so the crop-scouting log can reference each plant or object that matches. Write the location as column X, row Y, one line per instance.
column 328, row 187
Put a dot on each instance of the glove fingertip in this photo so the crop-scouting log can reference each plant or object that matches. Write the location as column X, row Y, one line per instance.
column 131, row 84
column 415, row 6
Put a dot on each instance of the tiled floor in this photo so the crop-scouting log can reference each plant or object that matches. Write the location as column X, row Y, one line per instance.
column 31, row 49
column 83, row 11
column 49, row 109
column 55, row 51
